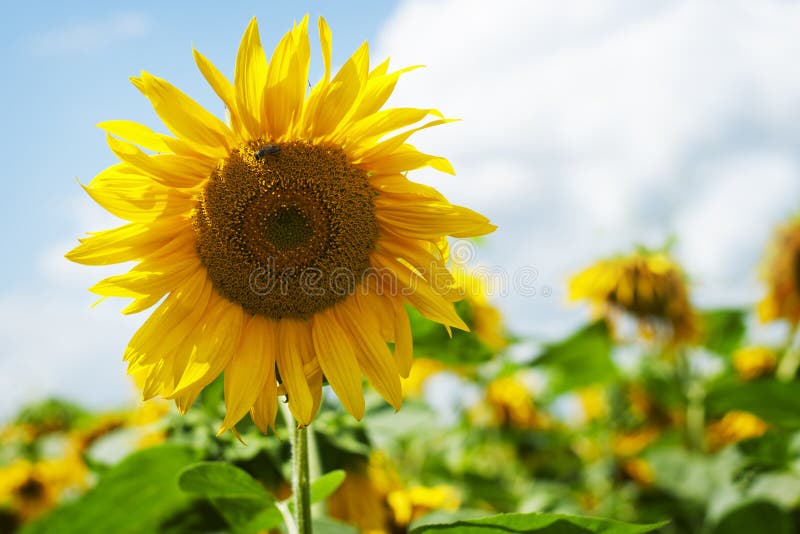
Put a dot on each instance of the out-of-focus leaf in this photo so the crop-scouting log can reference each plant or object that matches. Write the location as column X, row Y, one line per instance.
column 431, row 339
column 686, row 475
column 779, row 488
column 538, row 522
column 137, row 495
column 242, row 501
column 723, row 329
column 51, row 415
column 582, row 359
column 246, row 515
column 326, row 485
column 385, row 426
column 218, row 479
column 757, row 516
column 775, row 402
column 438, row 517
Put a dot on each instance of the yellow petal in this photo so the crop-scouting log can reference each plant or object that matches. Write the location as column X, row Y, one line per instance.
column 183, row 116
column 339, row 96
column 377, row 91
column 379, row 124
column 338, row 361
column 426, row 219
column 249, row 80
column 373, row 354
column 375, row 152
column 407, row 158
column 129, row 194
column 129, row 242
column 136, row 133
column 167, row 169
column 414, row 289
column 170, row 323
column 287, row 80
column 249, row 369
column 294, row 340
column 404, row 344
column 222, row 87
column 213, row 348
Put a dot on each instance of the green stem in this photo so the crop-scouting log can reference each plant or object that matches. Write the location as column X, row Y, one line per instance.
column 694, row 395
column 300, row 480
column 790, row 361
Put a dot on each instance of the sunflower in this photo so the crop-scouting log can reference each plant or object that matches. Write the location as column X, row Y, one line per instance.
column 754, row 361
column 649, row 286
column 32, row 488
column 735, row 426
column 374, row 498
column 781, row 273
column 283, row 244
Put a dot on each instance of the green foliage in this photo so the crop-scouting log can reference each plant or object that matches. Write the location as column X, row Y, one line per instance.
column 243, row 502
column 590, row 447
column 431, row 339
column 539, row 523
column 775, row 402
column 140, row 494
column 582, row 359
column 757, row 516
column 723, row 329
column 51, row 415
column 325, row 485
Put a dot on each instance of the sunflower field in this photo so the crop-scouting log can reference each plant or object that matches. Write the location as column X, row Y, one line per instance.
column 313, row 358
column 656, row 417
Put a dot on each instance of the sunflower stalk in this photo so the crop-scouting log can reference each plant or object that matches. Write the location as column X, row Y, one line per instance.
column 694, row 395
column 301, row 480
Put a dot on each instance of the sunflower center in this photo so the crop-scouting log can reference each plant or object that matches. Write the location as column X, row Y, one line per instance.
column 31, row 490
column 286, row 231
column 287, row 227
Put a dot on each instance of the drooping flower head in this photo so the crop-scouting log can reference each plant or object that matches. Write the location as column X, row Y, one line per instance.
column 281, row 246
column 781, row 273
column 648, row 286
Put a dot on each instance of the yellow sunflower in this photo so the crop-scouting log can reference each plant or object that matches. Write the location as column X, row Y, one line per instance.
column 649, row 286
column 781, row 273
column 282, row 244
column 754, row 361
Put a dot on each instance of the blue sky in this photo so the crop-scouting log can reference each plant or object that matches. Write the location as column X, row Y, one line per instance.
column 584, row 132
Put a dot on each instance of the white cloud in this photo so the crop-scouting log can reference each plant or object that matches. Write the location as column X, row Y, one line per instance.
column 89, row 36
column 591, row 128
column 54, row 343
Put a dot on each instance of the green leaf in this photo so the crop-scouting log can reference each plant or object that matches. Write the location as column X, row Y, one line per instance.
column 580, row 360
column 242, row 501
column 248, row 515
column 724, row 329
column 137, row 495
column 431, row 339
column 218, row 479
column 775, row 402
column 756, row 516
column 326, row 484
column 539, row 522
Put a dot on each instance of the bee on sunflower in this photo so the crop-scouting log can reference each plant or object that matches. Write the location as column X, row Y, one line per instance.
column 647, row 286
column 280, row 247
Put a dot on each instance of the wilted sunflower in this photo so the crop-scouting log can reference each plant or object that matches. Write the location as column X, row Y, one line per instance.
column 287, row 237
column 781, row 272
column 649, row 286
